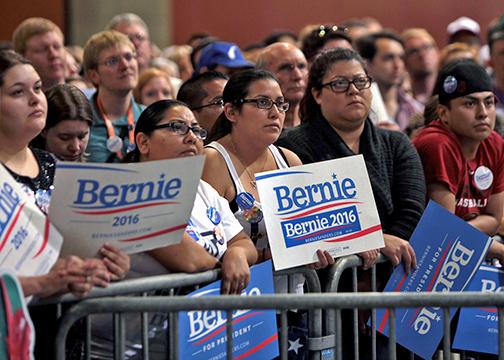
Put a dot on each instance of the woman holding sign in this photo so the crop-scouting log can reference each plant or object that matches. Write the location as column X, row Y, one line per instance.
column 251, row 122
column 334, row 114
column 167, row 129
column 23, row 109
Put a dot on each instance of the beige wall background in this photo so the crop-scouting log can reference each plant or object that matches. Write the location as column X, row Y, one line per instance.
column 242, row 21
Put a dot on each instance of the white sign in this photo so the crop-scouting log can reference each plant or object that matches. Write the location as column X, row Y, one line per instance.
column 326, row 205
column 136, row 207
column 29, row 244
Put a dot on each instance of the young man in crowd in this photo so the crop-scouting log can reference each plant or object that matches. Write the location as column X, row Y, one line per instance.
column 421, row 57
column 384, row 54
column 203, row 94
column 463, row 158
column 41, row 41
column 288, row 63
column 110, row 63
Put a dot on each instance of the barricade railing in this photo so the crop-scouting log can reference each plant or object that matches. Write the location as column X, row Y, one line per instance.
column 147, row 285
column 334, row 275
column 283, row 302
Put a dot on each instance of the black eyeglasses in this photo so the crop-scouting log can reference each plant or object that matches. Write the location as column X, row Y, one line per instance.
column 323, row 30
column 217, row 102
column 341, row 85
column 115, row 60
column 266, row 103
column 181, row 128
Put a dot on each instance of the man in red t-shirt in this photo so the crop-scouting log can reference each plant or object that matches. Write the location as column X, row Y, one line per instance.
column 463, row 157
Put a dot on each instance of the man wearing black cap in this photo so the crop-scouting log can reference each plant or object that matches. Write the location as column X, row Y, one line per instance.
column 463, row 157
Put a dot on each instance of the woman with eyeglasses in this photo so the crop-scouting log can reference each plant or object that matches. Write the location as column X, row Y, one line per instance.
column 167, row 129
column 252, row 120
column 335, row 124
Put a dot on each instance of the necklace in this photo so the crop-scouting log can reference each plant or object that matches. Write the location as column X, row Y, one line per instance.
column 251, row 177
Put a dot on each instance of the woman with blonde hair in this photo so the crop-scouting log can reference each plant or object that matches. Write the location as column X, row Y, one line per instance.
column 153, row 85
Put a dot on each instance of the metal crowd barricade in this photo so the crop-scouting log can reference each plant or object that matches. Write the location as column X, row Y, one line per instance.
column 144, row 286
column 330, row 324
column 283, row 302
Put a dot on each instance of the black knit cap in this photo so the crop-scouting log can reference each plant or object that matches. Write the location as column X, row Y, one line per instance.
column 460, row 78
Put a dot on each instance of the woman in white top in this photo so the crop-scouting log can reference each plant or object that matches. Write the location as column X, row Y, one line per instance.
column 251, row 122
column 167, row 129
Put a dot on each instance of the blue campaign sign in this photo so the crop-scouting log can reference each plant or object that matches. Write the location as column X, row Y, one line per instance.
column 449, row 251
column 477, row 328
column 202, row 334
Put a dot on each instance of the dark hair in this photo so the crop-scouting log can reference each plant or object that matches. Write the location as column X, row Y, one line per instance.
column 309, row 109
column 191, row 91
column 150, row 117
column 317, row 38
column 496, row 33
column 276, row 36
column 64, row 102
column 9, row 59
column 366, row 45
column 236, row 89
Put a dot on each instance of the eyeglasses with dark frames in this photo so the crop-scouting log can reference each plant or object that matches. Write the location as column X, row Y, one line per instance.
column 267, row 103
column 323, row 30
column 217, row 102
column 341, row 85
column 181, row 128
column 115, row 60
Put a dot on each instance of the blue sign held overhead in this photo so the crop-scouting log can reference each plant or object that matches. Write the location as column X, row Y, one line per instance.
column 202, row 334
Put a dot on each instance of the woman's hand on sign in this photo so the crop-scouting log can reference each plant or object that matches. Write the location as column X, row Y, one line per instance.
column 116, row 261
column 324, row 260
column 399, row 250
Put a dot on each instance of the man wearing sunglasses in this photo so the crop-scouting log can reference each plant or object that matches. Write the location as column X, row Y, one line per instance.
column 203, row 94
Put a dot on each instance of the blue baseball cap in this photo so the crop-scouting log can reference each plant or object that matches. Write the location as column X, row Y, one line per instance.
column 224, row 54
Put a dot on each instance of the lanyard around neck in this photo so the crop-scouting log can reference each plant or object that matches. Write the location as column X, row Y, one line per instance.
column 110, row 126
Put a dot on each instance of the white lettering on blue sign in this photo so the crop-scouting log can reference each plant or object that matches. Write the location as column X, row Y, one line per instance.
column 9, row 200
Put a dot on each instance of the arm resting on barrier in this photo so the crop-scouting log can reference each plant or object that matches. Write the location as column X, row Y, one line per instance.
column 240, row 254
column 187, row 256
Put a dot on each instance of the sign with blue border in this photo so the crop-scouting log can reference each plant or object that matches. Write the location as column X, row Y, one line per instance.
column 449, row 252
column 478, row 328
column 136, row 207
column 328, row 206
column 202, row 334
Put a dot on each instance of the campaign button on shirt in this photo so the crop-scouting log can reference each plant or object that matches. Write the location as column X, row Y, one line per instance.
column 245, row 200
column 114, row 144
column 213, row 215
column 483, row 178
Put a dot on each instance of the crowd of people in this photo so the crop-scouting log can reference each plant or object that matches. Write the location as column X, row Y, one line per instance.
column 427, row 120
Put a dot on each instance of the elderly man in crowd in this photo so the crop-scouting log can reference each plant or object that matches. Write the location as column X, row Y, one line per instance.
column 288, row 63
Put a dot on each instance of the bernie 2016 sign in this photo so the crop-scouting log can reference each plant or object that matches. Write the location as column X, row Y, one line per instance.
column 327, row 205
column 202, row 334
column 136, row 207
column 449, row 252
column 29, row 244
column 478, row 328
